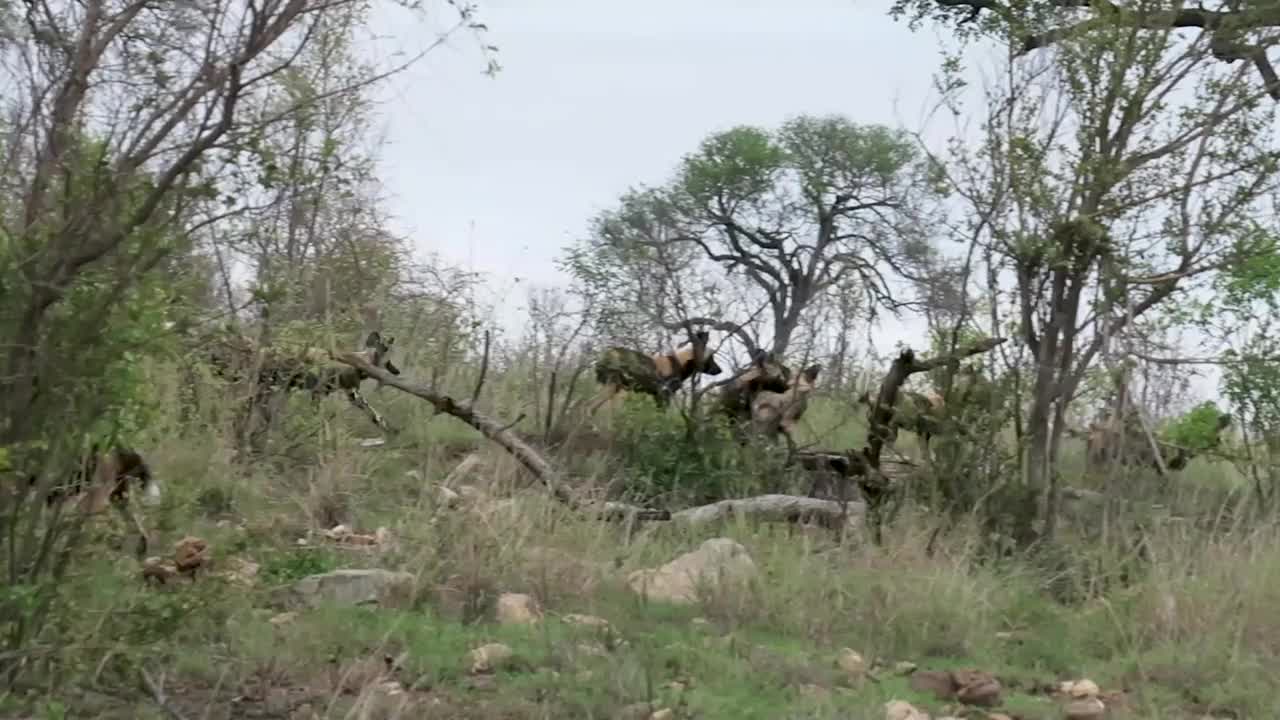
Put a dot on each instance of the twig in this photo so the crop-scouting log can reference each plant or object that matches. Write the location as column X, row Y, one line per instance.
column 551, row 406
column 156, row 691
column 484, row 370
column 489, row 427
column 512, row 424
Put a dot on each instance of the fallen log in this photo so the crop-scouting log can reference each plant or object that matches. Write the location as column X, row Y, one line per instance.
column 492, row 429
column 770, row 508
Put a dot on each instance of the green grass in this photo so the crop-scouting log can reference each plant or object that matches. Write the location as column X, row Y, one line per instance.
column 753, row 654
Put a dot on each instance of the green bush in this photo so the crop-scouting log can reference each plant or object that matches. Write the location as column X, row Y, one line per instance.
column 1197, row 429
column 671, row 461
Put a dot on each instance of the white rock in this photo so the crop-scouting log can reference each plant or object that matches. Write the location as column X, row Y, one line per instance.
column 718, row 562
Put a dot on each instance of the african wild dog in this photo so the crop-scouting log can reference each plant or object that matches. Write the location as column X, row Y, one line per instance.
column 659, row 375
column 765, row 374
column 778, row 412
column 311, row 369
column 103, row 478
column 1107, row 441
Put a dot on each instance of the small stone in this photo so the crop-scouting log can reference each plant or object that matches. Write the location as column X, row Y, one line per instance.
column 817, row 692
column 1084, row 688
column 590, row 621
column 1090, row 708
column 488, row 658
column 190, row 554
column 385, row 588
column 517, row 609
column 902, row 710
column 447, row 498
column 975, row 687
column 663, row 714
column 904, row 667
column 242, row 572
column 939, row 683
column 156, row 569
column 718, row 562
column 593, row 650
column 851, row 662
column 283, row 618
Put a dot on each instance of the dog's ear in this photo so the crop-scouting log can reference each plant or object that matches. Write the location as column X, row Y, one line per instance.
column 759, row 357
column 811, row 372
column 374, row 339
column 702, row 337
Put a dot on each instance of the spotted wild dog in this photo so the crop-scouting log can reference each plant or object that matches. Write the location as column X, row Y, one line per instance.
column 659, row 375
column 765, row 373
column 104, row 478
column 778, row 412
column 311, row 369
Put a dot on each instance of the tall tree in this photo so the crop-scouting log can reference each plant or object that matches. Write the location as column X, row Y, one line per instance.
column 1231, row 31
column 1110, row 181
column 123, row 128
column 783, row 216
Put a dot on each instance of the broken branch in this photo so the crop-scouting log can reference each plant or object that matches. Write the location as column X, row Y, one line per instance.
column 490, row 428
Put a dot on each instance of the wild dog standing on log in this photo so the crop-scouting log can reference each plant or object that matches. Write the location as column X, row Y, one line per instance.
column 659, row 375
column 312, row 369
column 103, row 478
column 775, row 412
column 765, row 374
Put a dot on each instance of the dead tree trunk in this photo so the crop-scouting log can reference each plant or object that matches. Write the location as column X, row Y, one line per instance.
column 874, row 485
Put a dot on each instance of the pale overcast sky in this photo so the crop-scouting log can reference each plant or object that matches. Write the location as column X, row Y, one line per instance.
column 596, row 95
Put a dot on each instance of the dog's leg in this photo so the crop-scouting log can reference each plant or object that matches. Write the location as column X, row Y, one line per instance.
column 358, row 400
column 786, row 429
column 601, row 398
column 607, row 393
column 122, row 506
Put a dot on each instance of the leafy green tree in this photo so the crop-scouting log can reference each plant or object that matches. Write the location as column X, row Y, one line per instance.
column 1230, row 31
column 124, row 127
column 765, row 218
column 1109, row 183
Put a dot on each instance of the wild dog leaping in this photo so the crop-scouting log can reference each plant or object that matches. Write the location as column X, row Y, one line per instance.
column 659, row 375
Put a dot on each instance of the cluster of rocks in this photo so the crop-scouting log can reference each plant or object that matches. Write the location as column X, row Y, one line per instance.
column 717, row 565
column 1082, row 698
